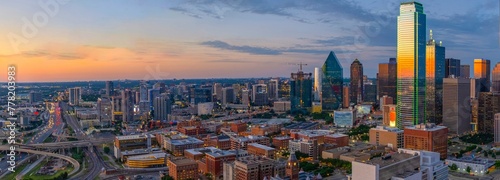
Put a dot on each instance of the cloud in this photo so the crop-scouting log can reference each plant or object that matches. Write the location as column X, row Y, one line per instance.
column 245, row 49
column 229, row 61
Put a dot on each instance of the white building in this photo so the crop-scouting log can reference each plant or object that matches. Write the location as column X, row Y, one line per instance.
column 478, row 166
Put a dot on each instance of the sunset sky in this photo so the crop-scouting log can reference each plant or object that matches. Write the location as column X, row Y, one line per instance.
column 145, row 39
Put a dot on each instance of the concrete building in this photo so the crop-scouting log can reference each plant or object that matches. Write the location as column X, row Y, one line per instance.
column 253, row 168
column 242, row 142
column 344, row 117
column 497, row 129
column 389, row 115
column 387, row 136
column 428, row 137
column 261, row 150
column 176, row 144
column 75, row 95
column 184, row 168
column 334, row 153
column 228, row 170
column 146, row 160
column 214, row 162
column 205, row 108
column 309, row 147
column 339, row 140
column 355, row 156
column 227, row 95
column 259, row 94
column 488, row 106
column 457, row 109
column 386, row 100
column 281, row 142
column 131, row 142
column 281, row 106
column 403, row 165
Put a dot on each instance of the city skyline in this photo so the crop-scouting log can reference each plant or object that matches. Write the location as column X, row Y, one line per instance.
column 224, row 39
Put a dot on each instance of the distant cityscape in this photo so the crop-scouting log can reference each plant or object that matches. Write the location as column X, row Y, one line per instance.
column 424, row 116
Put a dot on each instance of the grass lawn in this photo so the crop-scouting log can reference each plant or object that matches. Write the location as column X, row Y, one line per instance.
column 49, row 139
column 18, row 170
column 32, row 174
column 106, row 158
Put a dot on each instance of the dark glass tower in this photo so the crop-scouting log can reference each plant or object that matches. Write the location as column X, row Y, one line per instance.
column 452, row 67
column 331, row 98
column 386, row 79
column 300, row 91
column 356, row 85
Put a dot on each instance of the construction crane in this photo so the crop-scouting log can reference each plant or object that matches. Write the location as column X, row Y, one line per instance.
column 299, row 64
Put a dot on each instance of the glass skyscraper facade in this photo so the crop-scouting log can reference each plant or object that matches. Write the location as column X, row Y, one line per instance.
column 411, row 64
column 482, row 73
column 387, row 78
column 356, row 85
column 331, row 95
column 301, row 91
column 435, row 57
column 495, row 86
column 452, row 67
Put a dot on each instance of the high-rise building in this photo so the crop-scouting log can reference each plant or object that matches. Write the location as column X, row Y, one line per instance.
column 110, row 89
column 218, row 91
column 482, row 72
column 34, row 97
column 345, row 97
column 152, row 94
column 457, row 112
column 389, row 115
column 435, row 72
column 386, row 100
column 356, row 85
column 75, row 95
column 284, row 91
column 259, row 94
column 200, row 95
column 292, row 167
column 331, row 84
column 465, row 71
column 104, row 112
column 245, row 97
column 474, row 121
column 411, row 64
column 127, row 105
column 116, row 108
column 497, row 129
column 488, row 106
column 273, row 88
column 301, row 91
column 387, row 136
column 162, row 107
column 227, row 95
column 317, row 84
column 370, row 93
column 143, row 89
column 386, row 79
column 427, row 137
column 495, row 85
column 452, row 67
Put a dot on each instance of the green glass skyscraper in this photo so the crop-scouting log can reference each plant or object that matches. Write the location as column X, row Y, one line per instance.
column 411, row 35
column 332, row 91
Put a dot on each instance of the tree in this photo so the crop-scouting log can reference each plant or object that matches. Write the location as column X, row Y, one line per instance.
column 497, row 164
column 453, row 167
column 167, row 177
column 106, row 150
column 485, row 153
column 468, row 169
column 493, row 155
column 4, row 141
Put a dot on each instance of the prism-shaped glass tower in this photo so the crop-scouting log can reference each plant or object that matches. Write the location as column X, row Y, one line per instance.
column 332, row 91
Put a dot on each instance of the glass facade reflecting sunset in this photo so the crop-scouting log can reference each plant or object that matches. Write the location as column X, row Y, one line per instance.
column 411, row 64
column 435, row 72
column 482, row 73
column 496, row 79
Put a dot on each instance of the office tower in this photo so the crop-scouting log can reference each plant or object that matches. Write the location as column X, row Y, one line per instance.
column 227, row 95
column 245, row 97
column 301, row 91
column 284, row 91
column 237, row 93
column 428, row 137
column 110, row 89
column 127, row 105
column 386, row 100
column 218, row 91
column 104, row 111
column 495, row 85
column 332, row 82
column 452, row 67
column 411, row 64
column 389, row 115
column 292, row 167
column 317, row 84
column 34, row 97
column 75, row 95
column 435, row 73
column 497, row 129
column 259, row 94
column 144, row 105
column 116, row 108
column 345, row 97
column 387, row 136
column 403, row 164
column 162, row 107
column 386, row 79
column 273, row 88
column 356, row 85
column 200, row 95
column 475, row 88
column 457, row 112
column 370, row 93
column 482, row 72
column 161, row 86
column 465, row 71
column 474, row 121
column 488, row 106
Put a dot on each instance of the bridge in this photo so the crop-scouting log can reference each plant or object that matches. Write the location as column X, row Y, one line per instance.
column 64, row 145
column 74, row 162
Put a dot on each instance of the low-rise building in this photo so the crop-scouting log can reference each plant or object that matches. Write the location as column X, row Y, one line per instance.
column 309, row 147
column 176, row 144
column 242, row 142
column 261, row 150
column 387, row 136
column 477, row 166
column 334, row 153
column 355, row 156
column 182, row 169
column 146, row 160
column 340, row 140
column 281, row 142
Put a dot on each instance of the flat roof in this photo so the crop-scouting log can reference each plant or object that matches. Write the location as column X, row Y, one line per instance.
column 219, row 153
column 148, row 156
column 337, row 135
column 200, row 151
column 472, row 160
column 395, row 158
column 138, row 136
column 261, row 146
column 282, row 138
column 183, row 161
column 184, row 141
column 426, row 127
column 140, row 151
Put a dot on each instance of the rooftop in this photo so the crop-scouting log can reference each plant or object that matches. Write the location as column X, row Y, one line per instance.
column 140, row 151
column 393, row 159
column 148, row 156
column 261, row 146
column 200, row 151
column 426, row 127
column 472, row 160
column 336, row 135
column 138, row 136
column 183, row 161
column 184, row 141
column 388, row 129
